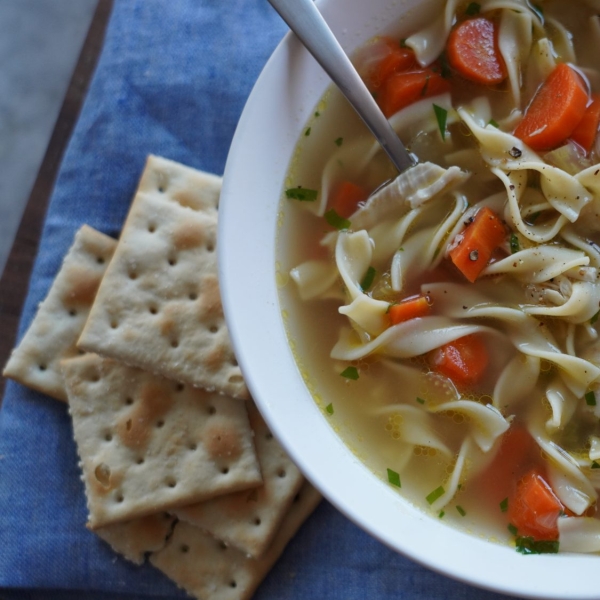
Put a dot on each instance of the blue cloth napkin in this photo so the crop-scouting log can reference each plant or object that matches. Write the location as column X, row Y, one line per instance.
column 172, row 80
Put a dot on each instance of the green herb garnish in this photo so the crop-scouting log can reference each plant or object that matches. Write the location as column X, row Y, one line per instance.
column 394, row 478
column 441, row 514
column 514, row 243
column 473, row 9
column 335, row 220
column 350, row 373
column 307, row 132
column 594, row 318
column 595, row 465
column 441, row 114
column 493, row 123
column 302, row 194
column 431, row 498
column 329, row 409
column 504, row 505
column 367, row 280
column 461, row 511
column 590, row 398
column 317, row 114
column 339, row 141
column 528, row 545
column 512, row 529
column 420, row 400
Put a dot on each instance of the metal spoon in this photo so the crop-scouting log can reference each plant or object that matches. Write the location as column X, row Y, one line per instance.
column 304, row 19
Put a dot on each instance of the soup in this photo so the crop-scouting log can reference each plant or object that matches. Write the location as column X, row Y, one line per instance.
column 445, row 320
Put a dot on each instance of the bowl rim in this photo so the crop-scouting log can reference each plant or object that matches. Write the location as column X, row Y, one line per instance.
column 248, row 272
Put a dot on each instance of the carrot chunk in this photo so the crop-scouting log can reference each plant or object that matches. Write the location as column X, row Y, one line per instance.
column 409, row 308
column 395, row 59
column 402, row 89
column 585, row 133
column 345, row 198
column 464, row 360
column 555, row 111
column 534, row 508
column 473, row 51
column 472, row 249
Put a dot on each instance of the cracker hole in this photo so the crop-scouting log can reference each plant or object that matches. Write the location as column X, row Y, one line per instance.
column 212, row 410
column 210, row 247
column 132, row 275
column 128, row 425
column 296, row 498
column 268, row 436
column 42, row 367
column 233, row 584
column 81, row 352
column 108, row 437
column 102, row 474
column 234, row 362
column 171, row 483
column 153, row 310
column 257, row 521
column 151, row 228
column 95, row 378
column 129, row 400
column 281, row 473
column 184, row 548
column 193, row 296
column 72, row 312
column 100, row 260
column 160, row 424
column 222, row 545
column 179, row 387
column 172, row 261
column 225, row 470
column 193, row 447
column 120, row 498
column 235, row 379
column 174, row 344
column 140, row 461
column 213, row 329
column 161, row 189
column 114, row 324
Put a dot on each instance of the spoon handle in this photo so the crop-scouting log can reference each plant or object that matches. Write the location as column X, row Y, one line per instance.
column 304, row 19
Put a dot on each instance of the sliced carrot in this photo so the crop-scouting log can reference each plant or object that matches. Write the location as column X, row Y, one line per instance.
column 516, row 453
column 585, row 133
column 555, row 111
column 472, row 50
column 409, row 308
column 395, row 59
column 534, row 508
column 464, row 360
column 401, row 89
column 472, row 249
column 345, row 198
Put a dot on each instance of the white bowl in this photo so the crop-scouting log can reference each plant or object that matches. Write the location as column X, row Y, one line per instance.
column 284, row 97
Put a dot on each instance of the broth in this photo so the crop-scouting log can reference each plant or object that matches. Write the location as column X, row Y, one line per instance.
column 448, row 442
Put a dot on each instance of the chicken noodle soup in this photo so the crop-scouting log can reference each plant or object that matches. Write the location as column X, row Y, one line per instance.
column 446, row 322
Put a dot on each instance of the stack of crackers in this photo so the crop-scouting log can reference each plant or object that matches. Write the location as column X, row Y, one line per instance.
column 178, row 465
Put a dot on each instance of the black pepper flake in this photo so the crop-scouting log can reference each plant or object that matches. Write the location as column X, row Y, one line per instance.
column 515, row 152
column 596, row 171
column 464, row 308
column 473, row 255
column 511, row 187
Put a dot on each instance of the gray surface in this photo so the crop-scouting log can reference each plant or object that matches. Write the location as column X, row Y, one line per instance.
column 40, row 41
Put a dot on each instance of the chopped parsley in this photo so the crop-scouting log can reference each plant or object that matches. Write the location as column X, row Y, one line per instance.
column 350, row 373
column 335, row 220
column 441, row 114
column 529, row 545
column 329, row 409
column 317, row 114
column 367, row 280
column 307, row 132
column 302, row 194
column 594, row 318
column 420, row 400
column 512, row 529
column 338, row 141
column 473, row 9
column 590, row 398
column 461, row 511
column 441, row 514
column 514, row 243
column 433, row 496
column 504, row 505
column 493, row 123
column 394, row 478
